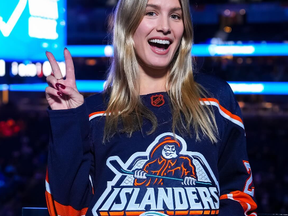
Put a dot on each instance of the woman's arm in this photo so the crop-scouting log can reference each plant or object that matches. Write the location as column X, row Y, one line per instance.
column 68, row 187
column 236, row 182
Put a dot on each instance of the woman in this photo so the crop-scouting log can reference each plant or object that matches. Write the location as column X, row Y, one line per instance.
column 159, row 140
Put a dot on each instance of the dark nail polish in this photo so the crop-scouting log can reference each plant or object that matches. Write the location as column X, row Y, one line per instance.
column 60, row 94
column 60, row 85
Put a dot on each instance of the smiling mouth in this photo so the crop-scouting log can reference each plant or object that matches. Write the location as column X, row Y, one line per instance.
column 160, row 44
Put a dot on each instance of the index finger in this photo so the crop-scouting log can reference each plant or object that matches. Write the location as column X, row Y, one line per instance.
column 54, row 65
column 70, row 72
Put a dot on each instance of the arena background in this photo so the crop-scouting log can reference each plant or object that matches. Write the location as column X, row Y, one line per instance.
column 245, row 42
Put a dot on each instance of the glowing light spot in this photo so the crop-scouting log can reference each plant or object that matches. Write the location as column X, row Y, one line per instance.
column 45, row 45
column 91, row 62
column 247, row 88
column 47, row 70
column 39, row 69
column 227, row 12
column 14, row 68
column 108, row 51
column 240, row 60
column 227, row 29
column 242, row 11
column 62, row 66
column 2, row 68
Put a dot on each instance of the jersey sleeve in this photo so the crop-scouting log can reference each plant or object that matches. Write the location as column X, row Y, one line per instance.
column 68, row 186
column 236, row 182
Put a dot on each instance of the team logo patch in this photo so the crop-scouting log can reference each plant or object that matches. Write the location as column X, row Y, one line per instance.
column 157, row 100
column 166, row 179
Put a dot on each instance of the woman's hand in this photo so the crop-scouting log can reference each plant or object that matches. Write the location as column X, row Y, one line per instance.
column 62, row 94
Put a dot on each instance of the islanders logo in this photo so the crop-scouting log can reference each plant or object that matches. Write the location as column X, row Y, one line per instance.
column 166, row 179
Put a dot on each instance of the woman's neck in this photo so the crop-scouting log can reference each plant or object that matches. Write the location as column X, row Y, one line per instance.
column 152, row 80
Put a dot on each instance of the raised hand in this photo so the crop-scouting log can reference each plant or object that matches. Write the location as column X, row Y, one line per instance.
column 62, row 93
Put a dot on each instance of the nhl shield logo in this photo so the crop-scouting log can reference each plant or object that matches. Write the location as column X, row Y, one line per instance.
column 157, row 100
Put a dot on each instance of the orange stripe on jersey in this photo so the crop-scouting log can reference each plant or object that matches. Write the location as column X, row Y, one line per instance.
column 96, row 113
column 69, row 210
column 246, row 201
column 55, row 208
column 116, row 213
column 181, row 212
column 134, row 213
column 225, row 111
column 50, row 205
column 195, row 212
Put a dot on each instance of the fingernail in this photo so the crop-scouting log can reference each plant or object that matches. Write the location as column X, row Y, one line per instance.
column 66, row 48
column 60, row 85
column 60, row 94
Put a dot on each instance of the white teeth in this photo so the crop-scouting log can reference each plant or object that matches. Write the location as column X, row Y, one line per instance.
column 160, row 41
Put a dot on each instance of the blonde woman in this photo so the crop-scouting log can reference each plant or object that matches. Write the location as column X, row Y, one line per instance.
column 159, row 140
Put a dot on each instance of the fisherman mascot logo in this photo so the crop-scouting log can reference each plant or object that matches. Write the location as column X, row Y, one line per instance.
column 165, row 180
column 165, row 166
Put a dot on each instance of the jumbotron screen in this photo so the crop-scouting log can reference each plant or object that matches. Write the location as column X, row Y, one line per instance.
column 30, row 27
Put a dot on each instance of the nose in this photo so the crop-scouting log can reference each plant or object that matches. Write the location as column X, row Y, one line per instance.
column 164, row 26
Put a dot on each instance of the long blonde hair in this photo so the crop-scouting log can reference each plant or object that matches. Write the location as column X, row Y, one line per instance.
column 125, row 111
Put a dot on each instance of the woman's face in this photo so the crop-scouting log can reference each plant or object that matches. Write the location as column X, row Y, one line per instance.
column 159, row 34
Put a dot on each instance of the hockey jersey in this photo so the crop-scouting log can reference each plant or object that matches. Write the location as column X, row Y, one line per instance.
column 158, row 174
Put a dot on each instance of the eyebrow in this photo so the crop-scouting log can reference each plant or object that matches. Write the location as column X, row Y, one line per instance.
column 158, row 7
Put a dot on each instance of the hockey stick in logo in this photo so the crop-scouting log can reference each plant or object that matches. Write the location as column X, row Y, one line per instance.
column 118, row 167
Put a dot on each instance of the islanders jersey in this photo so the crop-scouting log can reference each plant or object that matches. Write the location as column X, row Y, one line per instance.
column 157, row 174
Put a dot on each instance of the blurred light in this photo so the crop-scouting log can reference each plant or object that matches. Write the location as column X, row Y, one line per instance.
column 45, row 45
column 63, row 23
column 230, row 50
column 91, row 62
column 215, row 41
column 240, row 60
column 233, row 14
column 270, row 49
column 227, row 29
column 245, row 88
column 241, row 104
column 242, row 11
column 268, row 88
column 108, row 51
column 47, row 70
column 4, row 87
column 249, row 61
column 39, row 69
column 82, row 86
column 62, row 67
column 22, row 70
column 227, row 12
column 14, row 68
column 2, row 68
column 268, row 105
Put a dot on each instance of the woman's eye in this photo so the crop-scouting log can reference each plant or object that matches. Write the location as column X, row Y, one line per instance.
column 175, row 16
column 150, row 14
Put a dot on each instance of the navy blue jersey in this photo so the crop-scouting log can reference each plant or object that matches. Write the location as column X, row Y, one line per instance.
column 157, row 174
